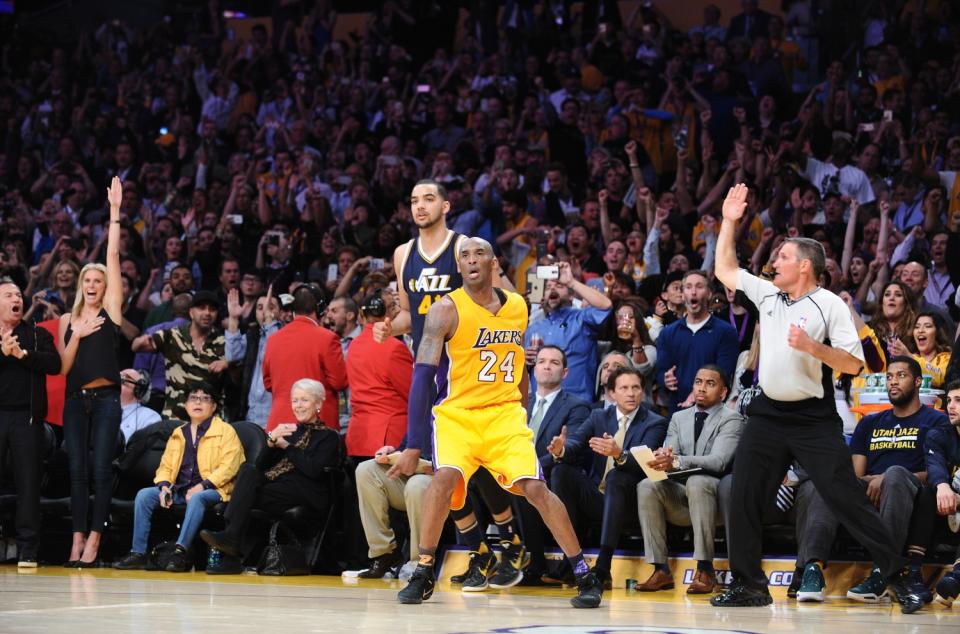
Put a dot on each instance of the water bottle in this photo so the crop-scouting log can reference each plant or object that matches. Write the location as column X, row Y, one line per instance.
column 213, row 559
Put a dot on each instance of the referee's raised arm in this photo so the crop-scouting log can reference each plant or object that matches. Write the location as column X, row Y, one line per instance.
column 726, row 263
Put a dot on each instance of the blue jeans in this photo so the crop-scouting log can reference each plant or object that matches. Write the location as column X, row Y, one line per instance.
column 91, row 421
column 148, row 500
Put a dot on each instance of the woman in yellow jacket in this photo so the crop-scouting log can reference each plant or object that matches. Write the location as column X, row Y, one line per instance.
column 198, row 468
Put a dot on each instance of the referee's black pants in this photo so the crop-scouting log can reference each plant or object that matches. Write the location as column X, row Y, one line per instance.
column 809, row 431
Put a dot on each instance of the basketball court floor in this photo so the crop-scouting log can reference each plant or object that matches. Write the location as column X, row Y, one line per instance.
column 52, row 600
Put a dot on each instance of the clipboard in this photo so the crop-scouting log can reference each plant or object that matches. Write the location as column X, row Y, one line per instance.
column 683, row 474
column 643, row 455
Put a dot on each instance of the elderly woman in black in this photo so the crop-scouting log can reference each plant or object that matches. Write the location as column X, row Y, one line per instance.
column 290, row 473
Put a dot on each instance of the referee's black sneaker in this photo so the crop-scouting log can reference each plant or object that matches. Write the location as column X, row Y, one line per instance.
column 589, row 591
column 420, row 586
column 741, row 595
column 901, row 588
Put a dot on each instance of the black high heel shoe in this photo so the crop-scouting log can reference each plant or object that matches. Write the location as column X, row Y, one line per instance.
column 89, row 564
column 71, row 563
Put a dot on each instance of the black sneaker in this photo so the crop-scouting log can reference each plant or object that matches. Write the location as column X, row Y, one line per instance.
column 381, row 565
column 132, row 561
column 513, row 561
column 179, row 561
column 478, row 572
column 900, row 587
column 742, row 596
column 948, row 588
column 919, row 587
column 222, row 541
column 795, row 583
column 420, row 586
column 589, row 591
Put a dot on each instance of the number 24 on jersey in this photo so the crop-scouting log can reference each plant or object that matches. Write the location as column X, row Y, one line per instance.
column 490, row 361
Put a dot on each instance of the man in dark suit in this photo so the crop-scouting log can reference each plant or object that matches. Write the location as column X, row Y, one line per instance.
column 552, row 411
column 750, row 23
column 609, row 492
column 704, row 436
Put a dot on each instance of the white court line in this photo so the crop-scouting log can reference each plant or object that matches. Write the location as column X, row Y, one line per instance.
column 86, row 607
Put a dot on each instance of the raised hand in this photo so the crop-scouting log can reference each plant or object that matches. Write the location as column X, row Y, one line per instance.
column 631, row 149
column 602, row 197
column 557, row 442
column 269, row 315
column 735, row 203
column 382, row 330
column 670, row 379
column 234, row 307
column 115, row 196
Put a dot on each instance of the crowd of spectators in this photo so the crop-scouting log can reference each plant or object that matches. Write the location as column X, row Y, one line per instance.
column 599, row 140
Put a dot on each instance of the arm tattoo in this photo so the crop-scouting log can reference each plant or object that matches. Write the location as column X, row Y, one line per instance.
column 440, row 323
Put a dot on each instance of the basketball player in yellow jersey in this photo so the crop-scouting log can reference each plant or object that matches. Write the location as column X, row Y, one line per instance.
column 475, row 335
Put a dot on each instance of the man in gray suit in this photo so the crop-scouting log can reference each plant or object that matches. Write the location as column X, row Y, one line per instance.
column 704, row 436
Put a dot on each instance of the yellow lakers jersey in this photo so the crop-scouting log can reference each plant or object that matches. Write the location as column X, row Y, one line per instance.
column 483, row 361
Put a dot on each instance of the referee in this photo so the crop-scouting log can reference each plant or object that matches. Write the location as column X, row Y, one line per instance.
column 805, row 333
column 27, row 355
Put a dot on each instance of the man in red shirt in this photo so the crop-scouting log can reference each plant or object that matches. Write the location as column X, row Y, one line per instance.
column 303, row 349
column 379, row 375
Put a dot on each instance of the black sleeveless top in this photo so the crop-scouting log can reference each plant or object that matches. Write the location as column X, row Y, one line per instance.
column 96, row 355
column 428, row 279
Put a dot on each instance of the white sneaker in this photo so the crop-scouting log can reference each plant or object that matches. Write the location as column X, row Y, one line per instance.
column 27, row 563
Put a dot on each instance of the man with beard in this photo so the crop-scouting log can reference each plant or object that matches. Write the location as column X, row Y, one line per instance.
column 888, row 459
column 181, row 281
column 193, row 352
column 573, row 330
column 688, row 344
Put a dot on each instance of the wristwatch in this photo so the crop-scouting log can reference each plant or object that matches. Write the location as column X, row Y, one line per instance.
column 622, row 458
column 676, row 463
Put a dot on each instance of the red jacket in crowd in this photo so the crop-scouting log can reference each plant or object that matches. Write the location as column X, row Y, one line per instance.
column 303, row 349
column 56, row 383
column 379, row 375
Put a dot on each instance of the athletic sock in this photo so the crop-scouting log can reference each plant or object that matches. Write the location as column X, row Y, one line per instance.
column 472, row 536
column 508, row 533
column 578, row 564
column 427, row 556
column 916, row 555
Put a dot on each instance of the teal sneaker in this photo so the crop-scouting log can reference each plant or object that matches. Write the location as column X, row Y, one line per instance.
column 870, row 589
column 811, row 588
